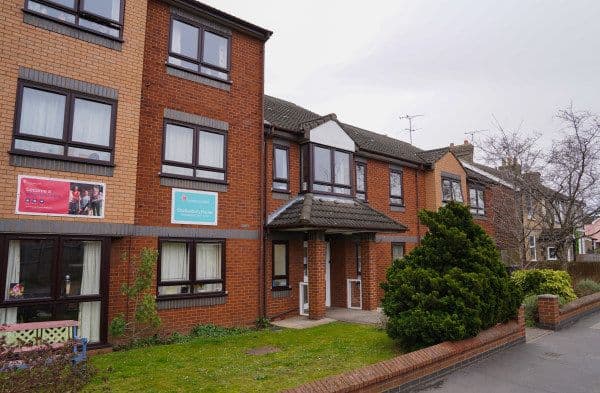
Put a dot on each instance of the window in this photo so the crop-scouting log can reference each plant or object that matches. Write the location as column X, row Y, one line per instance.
column 476, row 201
column 451, row 190
column 280, row 265
column 104, row 17
column 194, row 152
column 59, row 123
column 191, row 268
column 281, row 156
column 53, row 278
column 358, row 260
column 195, row 48
column 529, row 204
column 361, row 181
column 532, row 248
column 331, row 171
column 397, row 251
column 552, row 254
column 396, row 197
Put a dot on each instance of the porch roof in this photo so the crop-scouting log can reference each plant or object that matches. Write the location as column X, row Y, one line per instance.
column 311, row 211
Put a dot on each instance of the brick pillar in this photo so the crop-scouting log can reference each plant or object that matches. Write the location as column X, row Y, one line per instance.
column 548, row 311
column 521, row 321
column 316, row 275
column 370, row 284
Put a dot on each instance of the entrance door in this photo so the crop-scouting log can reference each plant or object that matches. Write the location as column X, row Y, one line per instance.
column 328, row 275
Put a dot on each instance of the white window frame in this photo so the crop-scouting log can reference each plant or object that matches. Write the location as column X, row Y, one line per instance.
column 533, row 249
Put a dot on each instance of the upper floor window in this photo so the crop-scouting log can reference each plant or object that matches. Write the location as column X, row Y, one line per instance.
column 529, row 206
column 103, row 17
column 281, row 155
column 194, row 152
column 58, row 123
column 451, row 190
column 361, row 181
column 396, row 189
column 476, row 201
column 331, row 170
column 196, row 48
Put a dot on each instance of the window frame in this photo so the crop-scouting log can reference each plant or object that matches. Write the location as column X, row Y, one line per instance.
column 278, row 179
column 194, row 165
column 78, row 11
column 191, row 247
column 396, row 244
column 287, row 266
column 548, row 253
column 452, row 181
column 332, row 184
column 364, row 165
column 533, row 248
column 199, row 61
column 479, row 211
column 401, row 196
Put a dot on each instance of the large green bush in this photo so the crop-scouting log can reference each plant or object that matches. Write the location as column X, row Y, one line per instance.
column 450, row 287
column 545, row 281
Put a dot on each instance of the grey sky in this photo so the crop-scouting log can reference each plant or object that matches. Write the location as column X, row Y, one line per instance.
column 458, row 62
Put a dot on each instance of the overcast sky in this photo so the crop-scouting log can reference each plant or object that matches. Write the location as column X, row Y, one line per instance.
column 457, row 62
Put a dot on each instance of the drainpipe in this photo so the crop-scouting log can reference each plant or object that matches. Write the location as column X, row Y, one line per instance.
column 262, row 310
column 418, row 198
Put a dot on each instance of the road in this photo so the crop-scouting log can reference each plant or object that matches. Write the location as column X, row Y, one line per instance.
column 567, row 361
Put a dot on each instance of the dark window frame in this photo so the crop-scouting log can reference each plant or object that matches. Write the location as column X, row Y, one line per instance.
column 287, row 266
column 278, row 179
column 56, row 299
column 332, row 183
column 78, row 12
column 66, row 140
column 477, row 210
column 357, row 192
column 191, row 247
column 194, row 165
column 452, row 181
column 401, row 196
column 199, row 61
column 394, row 244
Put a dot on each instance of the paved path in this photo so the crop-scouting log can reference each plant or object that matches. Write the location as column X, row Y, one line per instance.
column 567, row 361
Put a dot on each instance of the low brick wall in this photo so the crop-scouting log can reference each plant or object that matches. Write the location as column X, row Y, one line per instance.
column 420, row 368
column 552, row 316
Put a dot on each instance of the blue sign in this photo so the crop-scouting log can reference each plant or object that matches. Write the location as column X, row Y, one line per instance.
column 194, row 207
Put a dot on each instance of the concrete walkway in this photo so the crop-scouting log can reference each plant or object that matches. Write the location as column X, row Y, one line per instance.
column 333, row 314
column 567, row 361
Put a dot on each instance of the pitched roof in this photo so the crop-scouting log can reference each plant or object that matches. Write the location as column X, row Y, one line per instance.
column 311, row 211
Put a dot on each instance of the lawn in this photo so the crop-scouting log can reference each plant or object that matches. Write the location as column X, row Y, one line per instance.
column 222, row 365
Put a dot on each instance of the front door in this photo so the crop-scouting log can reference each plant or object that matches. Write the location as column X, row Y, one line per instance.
column 328, row 275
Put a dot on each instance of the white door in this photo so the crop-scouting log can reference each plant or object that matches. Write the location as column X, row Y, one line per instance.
column 328, row 275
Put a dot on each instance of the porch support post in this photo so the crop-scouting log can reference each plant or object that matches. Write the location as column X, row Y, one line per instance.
column 370, row 286
column 316, row 275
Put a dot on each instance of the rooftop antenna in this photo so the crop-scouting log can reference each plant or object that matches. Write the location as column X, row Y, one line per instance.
column 410, row 128
column 473, row 133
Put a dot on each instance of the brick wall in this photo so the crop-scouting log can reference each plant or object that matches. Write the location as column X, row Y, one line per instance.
column 552, row 316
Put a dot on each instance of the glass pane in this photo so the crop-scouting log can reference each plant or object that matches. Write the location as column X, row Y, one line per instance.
column 184, row 39
column 91, row 122
column 39, row 147
column 480, row 200
column 208, row 261
column 174, row 262
column 173, row 290
column 208, row 288
column 210, row 175
column 342, row 168
column 26, row 314
column 321, row 188
column 65, row 3
column 281, row 164
column 99, row 27
column 182, row 63
column 472, row 197
column 280, row 186
column 80, row 268
column 446, row 190
column 89, row 154
column 214, row 73
column 341, row 190
column 86, row 313
column 456, row 191
column 360, row 178
column 279, row 259
column 42, row 113
column 176, row 170
column 53, row 12
column 395, row 184
column 397, row 251
column 322, row 164
column 215, row 50
column 29, row 269
column 361, row 196
column 396, row 201
column 281, row 282
column 109, row 9
column 179, row 144
column 211, row 148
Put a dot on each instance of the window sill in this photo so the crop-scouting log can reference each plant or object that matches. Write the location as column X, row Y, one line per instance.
column 479, row 217
column 59, row 158
column 398, row 208
column 197, row 77
column 194, row 179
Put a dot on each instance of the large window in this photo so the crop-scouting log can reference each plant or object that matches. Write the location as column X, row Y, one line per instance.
column 53, row 278
column 331, row 170
column 194, row 152
column 397, row 251
column 196, row 48
column 361, row 181
column 191, row 268
column 396, row 189
column 281, row 180
column 59, row 123
column 280, row 265
column 103, row 17
column 476, row 201
column 451, row 190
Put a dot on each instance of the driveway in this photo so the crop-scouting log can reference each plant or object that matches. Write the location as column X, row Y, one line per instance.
column 567, row 361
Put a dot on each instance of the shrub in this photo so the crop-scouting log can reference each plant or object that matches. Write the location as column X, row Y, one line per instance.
column 545, row 281
column 531, row 310
column 450, row 287
column 587, row 287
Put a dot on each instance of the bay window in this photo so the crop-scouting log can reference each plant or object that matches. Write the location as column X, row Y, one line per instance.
column 361, row 181
column 281, row 168
column 194, row 152
column 476, row 201
column 396, row 189
column 191, row 268
column 451, row 190
column 331, row 170
column 280, row 265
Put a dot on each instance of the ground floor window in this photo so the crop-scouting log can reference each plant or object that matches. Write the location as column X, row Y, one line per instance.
column 54, row 278
column 397, row 251
column 280, row 265
column 552, row 254
column 532, row 248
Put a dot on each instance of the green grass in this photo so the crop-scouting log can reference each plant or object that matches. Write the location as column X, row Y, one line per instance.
column 221, row 364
